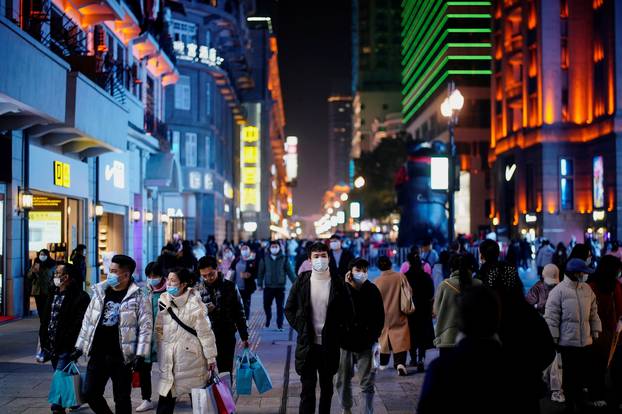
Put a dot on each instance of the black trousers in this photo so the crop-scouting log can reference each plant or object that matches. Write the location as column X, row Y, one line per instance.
column 99, row 370
column 225, row 346
column 398, row 358
column 269, row 294
column 40, row 301
column 145, row 381
column 246, row 301
column 166, row 405
column 316, row 365
column 576, row 371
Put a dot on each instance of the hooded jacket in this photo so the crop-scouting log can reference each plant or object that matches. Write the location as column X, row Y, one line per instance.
column 135, row 322
column 572, row 313
column 183, row 358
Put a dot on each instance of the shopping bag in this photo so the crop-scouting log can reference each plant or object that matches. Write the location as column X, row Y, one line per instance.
column 65, row 388
column 135, row 379
column 223, row 397
column 555, row 376
column 243, row 374
column 260, row 374
column 203, row 401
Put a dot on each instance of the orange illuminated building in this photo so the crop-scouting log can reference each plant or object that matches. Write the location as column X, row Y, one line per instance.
column 553, row 123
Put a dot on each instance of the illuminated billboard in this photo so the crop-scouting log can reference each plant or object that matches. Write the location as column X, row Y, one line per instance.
column 291, row 158
column 250, row 173
column 598, row 182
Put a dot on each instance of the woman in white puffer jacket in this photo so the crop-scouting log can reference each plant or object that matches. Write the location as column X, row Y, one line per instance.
column 186, row 343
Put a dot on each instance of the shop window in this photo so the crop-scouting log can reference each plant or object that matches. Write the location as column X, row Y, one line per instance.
column 175, row 137
column 566, row 184
column 184, row 31
column 182, row 93
column 190, row 146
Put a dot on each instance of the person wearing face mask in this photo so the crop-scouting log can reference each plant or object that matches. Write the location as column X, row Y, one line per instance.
column 319, row 309
column 62, row 318
column 274, row 270
column 572, row 315
column 244, row 269
column 339, row 258
column 539, row 293
column 186, row 343
column 360, row 337
column 156, row 285
column 227, row 258
column 115, row 335
column 225, row 310
column 40, row 276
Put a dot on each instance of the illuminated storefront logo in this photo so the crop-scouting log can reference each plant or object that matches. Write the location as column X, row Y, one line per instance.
column 208, row 182
column 250, row 177
column 115, row 172
column 228, row 190
column 195, row 53
column 194, row 180
column 62, row 174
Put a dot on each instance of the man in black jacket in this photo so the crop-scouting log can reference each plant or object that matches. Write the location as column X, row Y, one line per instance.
column 244, row 269
column 319, row 309
column 360, row 337
column 62, row 319
column 225, row 310
column 339, row 258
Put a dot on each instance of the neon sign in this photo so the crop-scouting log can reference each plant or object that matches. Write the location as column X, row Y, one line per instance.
column 195, row 53
column 250, row 176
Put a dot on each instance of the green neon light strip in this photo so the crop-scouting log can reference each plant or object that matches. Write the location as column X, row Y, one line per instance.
column 469, row 57
column 415, row 11
column 469, row 45
column 471, row 30
column 468, row 16
column 408, row 14
column 469, row 3
column 411, row 64
column 410, row 45
column 422, row 26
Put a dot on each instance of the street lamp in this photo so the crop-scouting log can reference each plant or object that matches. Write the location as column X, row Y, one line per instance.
column 359, row 182
column 450, row 108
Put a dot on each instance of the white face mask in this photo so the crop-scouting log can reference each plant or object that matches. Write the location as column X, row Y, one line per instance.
column 359, row 278
column 228, row 255
column 274, row 250
column 335, row 245
column 57, row 282
column 245, row 253
column 320, row 264
column 43, row 257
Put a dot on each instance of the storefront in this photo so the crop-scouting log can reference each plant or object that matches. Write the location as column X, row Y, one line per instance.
column 112, row 209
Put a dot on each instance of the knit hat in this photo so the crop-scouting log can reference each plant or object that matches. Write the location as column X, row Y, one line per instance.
column 550, row 274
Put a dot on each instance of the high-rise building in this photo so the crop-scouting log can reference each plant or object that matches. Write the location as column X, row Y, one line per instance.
column 446, row 41
column 375, row 71
column 555, row 108
column 339, row 139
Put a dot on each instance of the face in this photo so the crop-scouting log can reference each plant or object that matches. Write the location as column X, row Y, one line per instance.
column 359, row 270
column 209, row 275
column 319, row 255
column 245, row 251
column 61, row 274
column 122, row 273
column 173, row 281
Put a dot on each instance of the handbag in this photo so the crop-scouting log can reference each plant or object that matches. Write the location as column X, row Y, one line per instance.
column 65, row 389
column 203, row 400
column 260, row 374
column 223, row 397
column 135, row 379
column 406, row 297
column 243, row 374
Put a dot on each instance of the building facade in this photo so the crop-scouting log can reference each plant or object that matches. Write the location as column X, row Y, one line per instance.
column 450, row 41
column 339, row 140
column 555, row 115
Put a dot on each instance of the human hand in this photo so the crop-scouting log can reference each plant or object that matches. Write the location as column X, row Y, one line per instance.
column 75, row 354
column 138, row 363
column 210, row 307
column 595, row 335
column 245, row 275
column 211, row 368
column 350, row 279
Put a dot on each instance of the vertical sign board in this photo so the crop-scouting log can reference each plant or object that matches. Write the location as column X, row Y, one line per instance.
column 250, row 175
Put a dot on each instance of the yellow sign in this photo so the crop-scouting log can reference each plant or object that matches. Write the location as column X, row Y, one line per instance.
column 62, row 174
column 250, row 134
column 250, row 173
column 249, row 155
column 250, row 196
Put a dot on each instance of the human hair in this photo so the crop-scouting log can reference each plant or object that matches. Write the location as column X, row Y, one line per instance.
column 124, row 262
column 275, row 243
column 72, row 272
column 480, row 312
column 183, row 275
column 81, row 247
column 317, row 247
column 460, row 263
column 208, row 262
column 414, row 258
column 606, row 273
column 384, row 263
column 154, row 268
column 335, row 237
column 489, row 250
column 580, row 251
column 359, row 263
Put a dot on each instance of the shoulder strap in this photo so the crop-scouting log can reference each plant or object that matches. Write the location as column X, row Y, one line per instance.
column 183, row 325
column 445, row 282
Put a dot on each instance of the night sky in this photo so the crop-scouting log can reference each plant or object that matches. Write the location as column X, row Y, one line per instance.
column 314, row 60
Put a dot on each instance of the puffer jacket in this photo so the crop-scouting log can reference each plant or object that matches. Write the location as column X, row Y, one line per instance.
column 135, row 322
column 183, row 358
column 572, row 313
column 273, row 273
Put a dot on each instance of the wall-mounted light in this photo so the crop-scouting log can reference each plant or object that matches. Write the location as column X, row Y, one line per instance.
column 164, row 218
column 149, row 216
column 99, row 210
column 26, row 200
column 136, row 215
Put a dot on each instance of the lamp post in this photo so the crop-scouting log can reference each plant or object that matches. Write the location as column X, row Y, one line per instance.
column 450, row 108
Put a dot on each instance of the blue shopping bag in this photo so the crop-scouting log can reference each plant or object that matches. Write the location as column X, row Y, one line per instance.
column 65, row 388
column 243, row 374
column 260, row 374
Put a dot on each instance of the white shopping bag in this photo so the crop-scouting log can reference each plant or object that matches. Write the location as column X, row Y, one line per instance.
column 375, row 351
column 203, row 401
column 555, row 380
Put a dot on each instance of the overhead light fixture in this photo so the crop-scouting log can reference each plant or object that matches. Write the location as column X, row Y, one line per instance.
column 250, row 226
column 99, row 210
column 344, row 197
column 149, row 216
column 136, row 215
column 26, row 200
column 164, row 218
column 359, row 182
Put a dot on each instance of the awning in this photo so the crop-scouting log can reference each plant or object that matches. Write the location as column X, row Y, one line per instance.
column 163, row 172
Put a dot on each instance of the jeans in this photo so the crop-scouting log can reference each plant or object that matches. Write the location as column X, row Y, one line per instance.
column 166, row 405
column 269, row 294
column 100, row 369
column 145, row 381
column 367, row 374
column 316, row 364
column 246, row 301
column 59, row 362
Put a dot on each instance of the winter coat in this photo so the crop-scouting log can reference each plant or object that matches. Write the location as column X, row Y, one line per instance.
column 446, row 311
column 537, row 296
column 70, row 318
column 344, row 261
column 544, row 256
column 420, row 322
column 299, row 315
column 135, row 323
column 572, row 313
column 250, row 284
column 395, row 328
column 273, row 273
column 184, row 357
column 609, row 312
column 41, row 280
column 368, row 320
column 154, row 297
column 228, row 315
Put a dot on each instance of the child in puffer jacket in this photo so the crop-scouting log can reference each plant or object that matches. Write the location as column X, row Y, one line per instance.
column 539, row 293
column 572, row 316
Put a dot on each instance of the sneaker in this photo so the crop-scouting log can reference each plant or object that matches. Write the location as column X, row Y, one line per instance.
column 145, row 406
column 383, row 367
column 598, row 404
column 558, row 396
column 401, row 370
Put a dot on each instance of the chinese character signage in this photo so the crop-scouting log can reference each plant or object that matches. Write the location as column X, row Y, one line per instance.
column 195, row 53
column 250, row 175
column 62, row 174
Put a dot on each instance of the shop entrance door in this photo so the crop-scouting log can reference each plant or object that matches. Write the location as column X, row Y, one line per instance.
column 110, row 240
